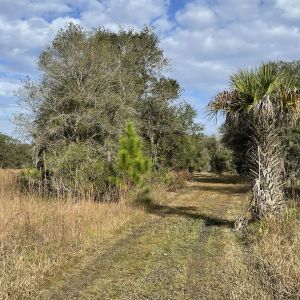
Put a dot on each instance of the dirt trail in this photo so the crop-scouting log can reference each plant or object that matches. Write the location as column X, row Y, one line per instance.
column 175, row 256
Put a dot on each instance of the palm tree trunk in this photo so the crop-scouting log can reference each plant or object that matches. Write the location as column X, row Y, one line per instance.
column 268, row 197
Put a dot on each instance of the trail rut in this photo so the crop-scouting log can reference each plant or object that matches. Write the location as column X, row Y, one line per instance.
column 170, row 257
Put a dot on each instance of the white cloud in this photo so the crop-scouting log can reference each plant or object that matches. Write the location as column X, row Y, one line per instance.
column 8, row 108
column 112, row 13
column 15, row 9
column 290, row 8
column 22, row 40
column 195, row 16
column 231, row 34
column 163, row 25
column 25, row 28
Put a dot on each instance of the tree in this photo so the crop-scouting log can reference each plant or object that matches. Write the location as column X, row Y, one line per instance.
column 291, row 136
column 291, row 152
column 165, row 122
column 191, row 154
column 131, row 164
column 13, row 153
column 237, row 138
column 92, row 82
column 220, row 157
column 267, row 97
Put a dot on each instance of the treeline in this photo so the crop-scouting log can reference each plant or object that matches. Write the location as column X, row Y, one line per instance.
column 92, row 84
column 95, row 82
column 13, row 153
column 195, row 153
column 202, row 153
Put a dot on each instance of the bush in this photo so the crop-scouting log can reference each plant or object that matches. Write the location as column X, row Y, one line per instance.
column 79, row 169
column 221, row 161
column 13, row 153
column 172, row 180
column 30, row 180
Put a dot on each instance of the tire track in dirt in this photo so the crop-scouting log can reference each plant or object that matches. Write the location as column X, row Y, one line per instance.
column 175, row 256
column 83, row 274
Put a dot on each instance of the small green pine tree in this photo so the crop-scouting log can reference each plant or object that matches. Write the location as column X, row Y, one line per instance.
column 131, row 164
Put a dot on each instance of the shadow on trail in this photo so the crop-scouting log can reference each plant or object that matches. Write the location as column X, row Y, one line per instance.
column 188, row 212
column 223, row 185
column 224, row 179
column 221, row 189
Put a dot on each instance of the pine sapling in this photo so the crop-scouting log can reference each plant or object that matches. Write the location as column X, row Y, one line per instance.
column 131, row 163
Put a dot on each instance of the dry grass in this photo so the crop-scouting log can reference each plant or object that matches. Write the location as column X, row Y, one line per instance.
column 39, row 237
column 264, row 263
column 275, row 255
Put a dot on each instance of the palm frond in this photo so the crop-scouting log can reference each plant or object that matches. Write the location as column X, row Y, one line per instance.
column 226, row 103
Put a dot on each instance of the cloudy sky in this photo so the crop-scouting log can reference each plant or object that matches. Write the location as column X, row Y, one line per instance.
column 205, row 40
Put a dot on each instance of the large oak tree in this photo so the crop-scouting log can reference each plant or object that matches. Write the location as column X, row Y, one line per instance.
column 91, row 84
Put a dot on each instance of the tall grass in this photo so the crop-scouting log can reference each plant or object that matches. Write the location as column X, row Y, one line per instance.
column 264, row 263
column 275, row 255
column 39, row 237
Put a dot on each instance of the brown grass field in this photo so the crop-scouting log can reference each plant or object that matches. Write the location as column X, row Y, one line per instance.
column 39, row 236
column 181, row 247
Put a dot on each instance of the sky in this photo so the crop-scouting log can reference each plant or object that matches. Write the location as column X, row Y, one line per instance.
column 205, row 40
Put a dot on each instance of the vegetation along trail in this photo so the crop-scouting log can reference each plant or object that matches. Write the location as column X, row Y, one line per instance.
column 176, row 255
column 91, row 215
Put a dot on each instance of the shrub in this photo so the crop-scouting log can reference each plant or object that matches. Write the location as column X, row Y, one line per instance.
column 172, row 180
column 78, row 168
column 221, row 161
column 29, row 180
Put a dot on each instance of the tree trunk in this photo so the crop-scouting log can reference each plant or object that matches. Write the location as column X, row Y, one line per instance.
column 268, row 197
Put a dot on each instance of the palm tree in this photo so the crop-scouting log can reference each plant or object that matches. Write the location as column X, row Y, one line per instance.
column 267, row 99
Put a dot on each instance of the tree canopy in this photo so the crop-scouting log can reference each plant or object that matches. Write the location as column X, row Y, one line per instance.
column 13, row 153
column 92, row 83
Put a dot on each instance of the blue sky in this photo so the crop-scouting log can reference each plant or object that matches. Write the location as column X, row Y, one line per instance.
column 205, row 40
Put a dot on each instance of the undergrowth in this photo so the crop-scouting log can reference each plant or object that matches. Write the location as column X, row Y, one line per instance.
column 266, row 265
